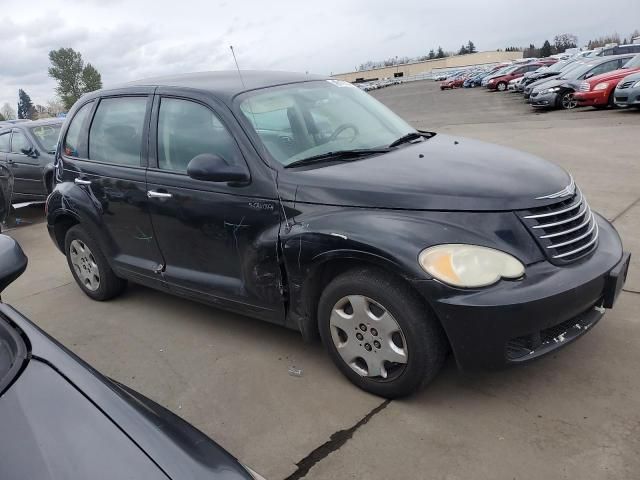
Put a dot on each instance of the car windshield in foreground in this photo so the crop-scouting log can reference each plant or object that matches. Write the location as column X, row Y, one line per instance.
column 47, row 136
column 321, row 119
column 633, row 63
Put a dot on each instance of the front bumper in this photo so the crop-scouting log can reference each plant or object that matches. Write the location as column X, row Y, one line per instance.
column 593, row 98
column 627, row 97
column 515, row 321
column 544, row 100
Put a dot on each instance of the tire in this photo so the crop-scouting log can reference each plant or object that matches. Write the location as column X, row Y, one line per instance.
column 567, row 101
column 89, row 267
column 501, row 87
column 414, row 337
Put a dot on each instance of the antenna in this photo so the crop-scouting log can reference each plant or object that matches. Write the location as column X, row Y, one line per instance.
column 237, row 66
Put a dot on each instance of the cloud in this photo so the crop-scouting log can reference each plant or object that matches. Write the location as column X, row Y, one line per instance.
column 142, row 38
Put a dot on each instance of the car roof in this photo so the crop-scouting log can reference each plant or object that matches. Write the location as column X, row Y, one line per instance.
column 223, row 84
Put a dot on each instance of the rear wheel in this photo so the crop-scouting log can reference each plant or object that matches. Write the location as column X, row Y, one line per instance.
column 89, row 267
column 379, row 333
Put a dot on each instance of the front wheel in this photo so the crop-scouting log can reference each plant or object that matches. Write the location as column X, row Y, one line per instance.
column 379, row 333
column 501, row 87
column 568, row 101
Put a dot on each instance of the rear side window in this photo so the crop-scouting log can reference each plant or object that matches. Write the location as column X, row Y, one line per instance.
column 187, row 129
column 72, row 139
column 4, row 142
column 115, row 135
column 19, row 143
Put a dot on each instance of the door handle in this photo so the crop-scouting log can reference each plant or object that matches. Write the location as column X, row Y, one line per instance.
column 154, row 194
column 9, row 161
column 79, row 181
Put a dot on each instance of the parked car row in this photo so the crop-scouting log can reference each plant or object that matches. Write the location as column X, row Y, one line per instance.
column 601, row 78
column 376, row 84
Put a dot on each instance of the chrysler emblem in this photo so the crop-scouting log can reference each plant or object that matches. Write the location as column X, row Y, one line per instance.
column 565, row 192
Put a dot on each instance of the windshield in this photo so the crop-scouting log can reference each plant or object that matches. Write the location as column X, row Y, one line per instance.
column 47, row 136
column 633, row 63
column 573, row 71
column 307, row 119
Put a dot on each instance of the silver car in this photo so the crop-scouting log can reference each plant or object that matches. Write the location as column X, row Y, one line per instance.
column 627, row 93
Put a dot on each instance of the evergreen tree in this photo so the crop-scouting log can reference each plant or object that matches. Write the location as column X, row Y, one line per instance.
column 25, row 106
column 440, row 53
column 432, row 54
column 463, row 50
column 471, row 48
column 545, row 51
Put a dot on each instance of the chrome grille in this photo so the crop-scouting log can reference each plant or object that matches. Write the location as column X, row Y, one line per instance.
column 626, row 84
column 566, row 231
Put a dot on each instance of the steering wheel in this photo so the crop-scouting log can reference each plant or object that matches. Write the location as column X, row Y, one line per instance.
column 342, row 128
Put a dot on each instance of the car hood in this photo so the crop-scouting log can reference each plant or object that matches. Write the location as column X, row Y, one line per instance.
column 557, row 82
column 614, row 75
column 634, row 76
column 442, row 173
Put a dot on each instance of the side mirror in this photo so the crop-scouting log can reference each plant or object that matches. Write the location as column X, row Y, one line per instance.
column 30, row 152
column 588, row 75
column 13, row 261
column 212, row 168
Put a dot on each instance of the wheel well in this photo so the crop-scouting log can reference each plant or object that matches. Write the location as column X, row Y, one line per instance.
column 61, row 227
column 48, row 181
column 329, row 270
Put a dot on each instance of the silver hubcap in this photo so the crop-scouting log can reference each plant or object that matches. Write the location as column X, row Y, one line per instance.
column 568, row 101
column 501, row 86
column 367, row 337
column 84, row 264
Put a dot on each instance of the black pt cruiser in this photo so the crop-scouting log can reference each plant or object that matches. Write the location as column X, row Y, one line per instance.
column 303, row 201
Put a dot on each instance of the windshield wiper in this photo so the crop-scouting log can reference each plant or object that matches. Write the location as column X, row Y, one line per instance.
column 338, row 155
column 407, row 138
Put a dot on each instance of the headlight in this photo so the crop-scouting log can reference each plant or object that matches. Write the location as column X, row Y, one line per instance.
column 470, row 266
column 601, row 86
column 550, row 90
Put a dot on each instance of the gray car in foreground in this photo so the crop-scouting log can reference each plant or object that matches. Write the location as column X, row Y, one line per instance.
column 627, row 93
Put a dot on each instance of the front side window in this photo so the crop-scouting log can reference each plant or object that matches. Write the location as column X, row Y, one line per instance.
column 302, row 120
column 72, row 139
column 46, row 136
column 187, row 129
column 5, row 142
column 19, row 143
column 115, row 135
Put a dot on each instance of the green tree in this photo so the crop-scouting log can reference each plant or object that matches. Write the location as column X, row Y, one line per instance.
column 471, row 48
column 432, row 54
column 463, row 50
column 545, row 51
column 25, row 106
column 73, row 77
column 91, row 79
column 440, row 53
column 564, row 41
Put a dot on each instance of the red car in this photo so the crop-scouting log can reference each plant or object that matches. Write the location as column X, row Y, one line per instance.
column 454, row 82
column 598, row 91
column 517, row 71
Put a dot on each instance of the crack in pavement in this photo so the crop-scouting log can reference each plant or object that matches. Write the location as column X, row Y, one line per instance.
column 335, row 442
column 633, row 204
column 630, row 291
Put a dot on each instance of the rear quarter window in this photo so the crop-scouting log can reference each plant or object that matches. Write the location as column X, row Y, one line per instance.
column 5, row 142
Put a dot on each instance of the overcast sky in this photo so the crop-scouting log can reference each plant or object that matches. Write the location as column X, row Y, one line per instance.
column 131, row 39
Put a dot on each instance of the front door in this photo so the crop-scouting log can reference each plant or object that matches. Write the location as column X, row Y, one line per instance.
column 25, row 166
column 104, row 154
column 218, row 240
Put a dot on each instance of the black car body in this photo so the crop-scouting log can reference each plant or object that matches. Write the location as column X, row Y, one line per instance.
column 284, row 236
column 62, row 420
column 27, row 148
column 558, row 91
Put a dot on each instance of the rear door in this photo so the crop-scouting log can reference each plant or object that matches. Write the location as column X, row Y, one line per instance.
column 105, row 155
column 219, row 240
column 25, row 166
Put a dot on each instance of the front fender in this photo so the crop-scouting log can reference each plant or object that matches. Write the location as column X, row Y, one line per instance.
column 390, row 239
